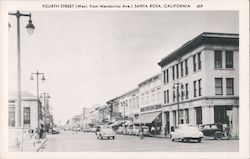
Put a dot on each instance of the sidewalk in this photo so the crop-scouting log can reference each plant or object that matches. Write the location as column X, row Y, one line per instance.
column 29, row 146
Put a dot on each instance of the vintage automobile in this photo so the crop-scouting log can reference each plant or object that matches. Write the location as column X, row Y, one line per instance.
column 145, row 131
column 136, row 130
column 186, row 132
column 213, row 130
column 105, row 131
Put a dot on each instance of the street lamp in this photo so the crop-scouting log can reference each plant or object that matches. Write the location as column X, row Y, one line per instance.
column 178, row 84
column 44, row 96
column 37, row 88
column 30, row 28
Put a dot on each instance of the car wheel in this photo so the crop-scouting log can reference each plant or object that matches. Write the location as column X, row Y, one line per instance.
column 218, row 136
column 113, row 137
column 108, row 137
column 199, row 140
column 171, row 138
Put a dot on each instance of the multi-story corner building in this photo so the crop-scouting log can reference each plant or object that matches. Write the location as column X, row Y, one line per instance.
column 114, row 109
column 200, row 82
column 104, row 114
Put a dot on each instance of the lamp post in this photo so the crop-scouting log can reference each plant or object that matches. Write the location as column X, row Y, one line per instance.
column 37, row 89
column 30, row 28
column 178, row 84
column 44, row 96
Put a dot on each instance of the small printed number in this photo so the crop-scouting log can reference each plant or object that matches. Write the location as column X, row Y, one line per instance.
column 199, row 6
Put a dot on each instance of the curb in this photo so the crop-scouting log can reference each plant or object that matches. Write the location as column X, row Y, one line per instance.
column 38, row 149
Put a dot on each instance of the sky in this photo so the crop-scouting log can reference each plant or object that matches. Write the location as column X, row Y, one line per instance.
column 90, row 57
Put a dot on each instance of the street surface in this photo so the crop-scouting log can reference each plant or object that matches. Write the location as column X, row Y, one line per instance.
column 84, row 142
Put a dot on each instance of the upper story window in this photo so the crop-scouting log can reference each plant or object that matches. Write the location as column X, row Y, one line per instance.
column 167, row 96
column 218, row 86
column 173, row 96
column 167, row 78
column 199, row 61
column 186, row 90
column 173, row 72
column 218, row 59
column 186, row 66
column 164, row 77
column 181, row 68
column 230, row 86
column 229, row 59
column 194, row 62
column 177, row 70
column 199, row 86
column 195, row 89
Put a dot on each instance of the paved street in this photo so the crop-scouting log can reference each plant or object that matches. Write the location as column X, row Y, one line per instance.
column 83, row 142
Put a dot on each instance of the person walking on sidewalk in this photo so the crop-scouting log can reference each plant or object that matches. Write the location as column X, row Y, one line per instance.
column 142, row 133
column 153, row 130
column 166, row 130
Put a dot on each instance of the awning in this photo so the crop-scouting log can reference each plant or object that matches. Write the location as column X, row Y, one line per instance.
column 117, row 123
column 146, row 118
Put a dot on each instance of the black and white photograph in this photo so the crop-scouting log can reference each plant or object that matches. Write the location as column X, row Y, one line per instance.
column 125, row 78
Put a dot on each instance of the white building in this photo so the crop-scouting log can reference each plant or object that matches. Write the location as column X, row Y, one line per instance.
column 205, row 70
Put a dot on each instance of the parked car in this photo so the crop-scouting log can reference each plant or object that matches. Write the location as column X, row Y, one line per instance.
column 213, row 130
column 55, row 130
column 136, row 130
column 105, row 131
column 130, row 130
column 119, row 130
column 186, row 132
column 145, row 130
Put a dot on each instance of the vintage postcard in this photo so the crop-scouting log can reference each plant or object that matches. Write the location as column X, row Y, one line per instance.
column 124, row 79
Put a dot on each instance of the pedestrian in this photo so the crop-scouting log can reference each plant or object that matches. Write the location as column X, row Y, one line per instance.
column 228, row 132
column 153, row 130
column 142, row 133
column 41, row 132
column 166, row 130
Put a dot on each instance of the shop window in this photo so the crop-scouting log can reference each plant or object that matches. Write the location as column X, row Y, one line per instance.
column 218, row 59
column 11, row 116
column 26, row 116
column 198, row 115
column 229, row 59
column 218, row 86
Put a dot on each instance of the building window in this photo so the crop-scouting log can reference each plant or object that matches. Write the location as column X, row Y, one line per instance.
column 186, row 66
column 230, row 86
column 167, row 76
column 177, row 70
column 164, row 77
column 182, row 95
column 182, row 69
column 167, row 96
column 194, row 62
column 173, row 96
column 195, row 90
column 186, row 88
column 199, row 85
column 218, row 86
column 229, row 59
column 26, row 116
column 199, row 61
column 218, row 59
column 173, row 72
column 11, row 116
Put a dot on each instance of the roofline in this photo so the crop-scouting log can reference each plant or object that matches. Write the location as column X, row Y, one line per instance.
column 195, row 40
column 158, row 74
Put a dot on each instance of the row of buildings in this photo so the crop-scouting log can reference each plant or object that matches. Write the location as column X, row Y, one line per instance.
column 198, row 84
